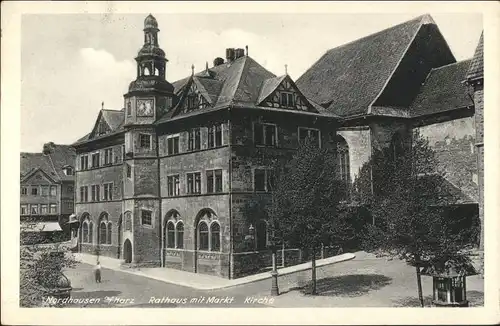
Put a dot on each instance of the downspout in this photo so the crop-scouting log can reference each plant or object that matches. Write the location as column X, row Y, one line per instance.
column 160, row 225
column 230, row 173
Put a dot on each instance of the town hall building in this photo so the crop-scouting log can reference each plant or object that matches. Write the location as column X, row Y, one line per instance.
column 167, row 180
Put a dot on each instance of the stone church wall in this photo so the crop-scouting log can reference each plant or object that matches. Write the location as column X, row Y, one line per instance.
column 454, row 144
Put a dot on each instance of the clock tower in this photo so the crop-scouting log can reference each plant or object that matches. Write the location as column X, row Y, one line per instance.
column 149, row 96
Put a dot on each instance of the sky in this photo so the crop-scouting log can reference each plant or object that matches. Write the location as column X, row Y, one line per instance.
column 71, row 63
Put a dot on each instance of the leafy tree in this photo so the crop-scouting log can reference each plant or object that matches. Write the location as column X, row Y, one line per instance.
column 305, row 209
column 409, row 206
column 41, row 265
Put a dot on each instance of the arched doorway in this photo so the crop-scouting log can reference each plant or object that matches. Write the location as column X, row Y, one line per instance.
column 118, row 254
column 127, row 251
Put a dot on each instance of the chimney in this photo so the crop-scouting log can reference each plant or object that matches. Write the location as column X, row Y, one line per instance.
column 238, row 53
column 218, row 61
column 230, row 54
column 48, row 148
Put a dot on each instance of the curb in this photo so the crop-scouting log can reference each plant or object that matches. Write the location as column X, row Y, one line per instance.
column 251, row 279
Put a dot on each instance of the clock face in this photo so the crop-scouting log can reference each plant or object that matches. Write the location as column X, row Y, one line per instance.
column 145, row 108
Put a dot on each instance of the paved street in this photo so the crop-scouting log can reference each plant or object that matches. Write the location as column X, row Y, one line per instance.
column 363, row 282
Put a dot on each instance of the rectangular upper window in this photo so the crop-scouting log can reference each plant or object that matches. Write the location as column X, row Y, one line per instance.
column 145, row 141
column 264, row 134
column 287, row 100
column 107, row 191
column 108, row 156
column 146, row 217
column 24, row 210
column 215, row 136
column 194, row 139
column 173, row 145
column 96, row 160
column 34, row 190
column 194, row 183
column 53, row 190
column 45, row 190
column 263, row 180
column 214, row 181
column 34, row 209
column 84, row 194
column 95, row 191
column 44, row 209
column 173, row 185
column 53, row 208
column 24, row 190
column 84, row 162
column 311, row 133
column 128, row 168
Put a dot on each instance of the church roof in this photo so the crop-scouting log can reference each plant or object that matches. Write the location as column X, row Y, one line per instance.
column 443, row 90
column 476, row 68
column 349, row 78
column 52, row 163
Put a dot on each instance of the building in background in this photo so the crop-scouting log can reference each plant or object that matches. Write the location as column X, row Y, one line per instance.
column 47, row 193
column 475, row 78
column 167, row 180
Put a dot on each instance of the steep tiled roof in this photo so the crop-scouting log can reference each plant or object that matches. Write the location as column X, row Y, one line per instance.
column 114, row 118
column 348, row 78
column 269, row 86
column 51, row 163
column 476, row 68
column 443, row 90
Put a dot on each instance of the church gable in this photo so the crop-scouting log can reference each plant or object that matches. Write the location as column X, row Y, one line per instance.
column 283, row 94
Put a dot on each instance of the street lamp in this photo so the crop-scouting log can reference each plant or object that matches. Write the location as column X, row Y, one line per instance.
column 274, row 272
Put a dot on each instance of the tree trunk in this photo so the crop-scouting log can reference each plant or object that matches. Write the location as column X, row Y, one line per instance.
column 419, row 286
column 313, row 271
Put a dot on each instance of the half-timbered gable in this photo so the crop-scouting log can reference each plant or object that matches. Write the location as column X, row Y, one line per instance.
column 281, row 92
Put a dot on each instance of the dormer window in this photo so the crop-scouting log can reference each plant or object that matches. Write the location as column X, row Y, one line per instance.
column 287, row 100
column 68, row 170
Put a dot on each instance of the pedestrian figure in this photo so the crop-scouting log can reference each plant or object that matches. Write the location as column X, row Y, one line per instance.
column 97, row 272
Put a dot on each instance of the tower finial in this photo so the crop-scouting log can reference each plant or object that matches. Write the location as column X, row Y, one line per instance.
column 192, row 69
column 286, row 69
column 206, row 65
column 102, row 105
column 246, row 48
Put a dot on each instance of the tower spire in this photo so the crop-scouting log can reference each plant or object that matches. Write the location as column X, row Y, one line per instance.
column 192, row 70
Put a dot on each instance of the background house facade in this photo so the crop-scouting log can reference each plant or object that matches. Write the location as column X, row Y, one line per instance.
column 47, row 190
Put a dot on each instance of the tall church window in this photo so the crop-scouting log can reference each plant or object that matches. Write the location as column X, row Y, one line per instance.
column 344, row 163
column 261, row 235
column 85, row 232
column 396, row 148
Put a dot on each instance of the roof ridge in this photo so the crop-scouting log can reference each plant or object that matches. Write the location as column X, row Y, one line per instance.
column 240, row 74
column 450, row 64
column 422, row 19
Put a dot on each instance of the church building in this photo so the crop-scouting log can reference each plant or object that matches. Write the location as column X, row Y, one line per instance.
column 167, row 180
